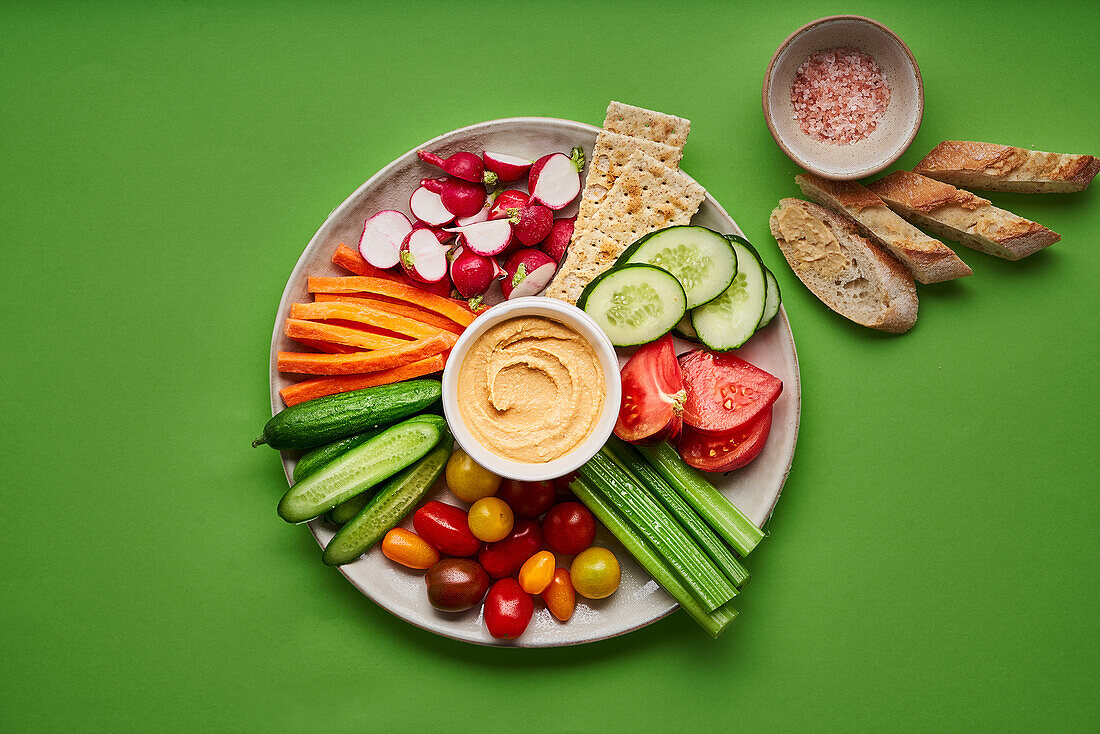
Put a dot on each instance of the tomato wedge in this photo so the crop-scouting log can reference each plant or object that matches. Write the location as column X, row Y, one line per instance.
column 653, row 395
column 724, row 392
column 726, row 451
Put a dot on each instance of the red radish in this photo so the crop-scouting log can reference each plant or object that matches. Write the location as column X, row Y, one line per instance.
column 422, row 257
column 481, row 216
column 526, row 273
column 508, row 168
column 486, row 238
column 557, row 242
column 472, row 274
column 380, row 242
column 555, row 179
column 461, row 198
column 463, row 165
column 440, row 234
column 427, row 206
column 533, row 222
column 507, row 199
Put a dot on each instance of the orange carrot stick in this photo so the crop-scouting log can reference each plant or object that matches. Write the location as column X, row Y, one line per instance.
column 401, row 309
column 452, row 309
column 360, row 362
column 364, row 314
column 323, row 332
column 351, row 260
column 326, row 347
column 322, row 386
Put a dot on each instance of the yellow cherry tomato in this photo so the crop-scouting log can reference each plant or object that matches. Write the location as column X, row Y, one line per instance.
column 409, row 549
column 595, row 573
column 559, row 596
column 490, row 519
column 537, row 572
column 468, row 480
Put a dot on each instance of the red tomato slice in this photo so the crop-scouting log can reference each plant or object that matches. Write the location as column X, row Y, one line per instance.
column 727, row 451
column 653, row 395
column 725, row 392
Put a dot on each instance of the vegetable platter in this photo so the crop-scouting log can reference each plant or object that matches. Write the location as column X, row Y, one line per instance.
column 639, row 600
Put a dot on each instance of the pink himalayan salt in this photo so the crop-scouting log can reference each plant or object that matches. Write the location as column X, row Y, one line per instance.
column 839, row 95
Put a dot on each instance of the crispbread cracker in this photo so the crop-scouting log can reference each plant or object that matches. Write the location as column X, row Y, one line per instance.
column 609, row 156
column 647, row 196
column 642, row 123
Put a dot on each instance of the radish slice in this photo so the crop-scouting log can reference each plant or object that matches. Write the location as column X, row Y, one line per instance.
column 555, row 179
column 508, row 168
column 481, row 216
column 486, row 238
column 427, row 206
column 422, row 257
column 527, row 273
column 380, row 243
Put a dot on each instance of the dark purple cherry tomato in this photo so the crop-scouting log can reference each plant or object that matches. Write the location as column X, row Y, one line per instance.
column 569, row 527
column 561, row 484
column 456, row 584
column 504, row 557
column 508, row 609
column 527, row 499
column 445, row 527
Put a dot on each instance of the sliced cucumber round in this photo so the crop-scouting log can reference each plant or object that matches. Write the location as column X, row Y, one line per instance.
column 771, row 300
column 634, row 304
column 685, row 330
column 729, row 320
column 700, row 258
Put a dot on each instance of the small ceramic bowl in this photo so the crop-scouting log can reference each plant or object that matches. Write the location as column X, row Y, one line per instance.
column 894, row 132
column 572, row 317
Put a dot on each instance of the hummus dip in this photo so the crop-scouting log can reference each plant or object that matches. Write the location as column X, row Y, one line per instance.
column 531, row 389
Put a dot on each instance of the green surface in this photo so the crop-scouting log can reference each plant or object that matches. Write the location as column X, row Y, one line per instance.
column 932, row 563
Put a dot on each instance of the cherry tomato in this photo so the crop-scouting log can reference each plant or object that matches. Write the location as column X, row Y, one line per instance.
column 508, row 609
column 505, row 557
column 490, row 519
column 560, row 597
column 726, row 451
column 409, row 549
column 527, row 499
column 569, row 527
column 456, row 584
column 508, row 199
column 595, row 573
column 653, row 395
column 536, row 572
column 446, row 528
column 724, row 392
column 468, row 480
column 561, row 484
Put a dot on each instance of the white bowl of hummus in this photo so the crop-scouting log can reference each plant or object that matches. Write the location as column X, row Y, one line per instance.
column 531, row 390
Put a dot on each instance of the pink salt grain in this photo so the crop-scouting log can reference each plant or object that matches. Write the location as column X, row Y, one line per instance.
column 839, row 95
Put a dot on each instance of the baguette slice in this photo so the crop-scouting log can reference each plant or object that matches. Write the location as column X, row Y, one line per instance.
column 848, row 272
column 929, row 260
column 961, row 216
column 991, row 167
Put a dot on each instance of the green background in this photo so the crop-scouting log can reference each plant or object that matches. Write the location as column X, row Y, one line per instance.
column 932, row 563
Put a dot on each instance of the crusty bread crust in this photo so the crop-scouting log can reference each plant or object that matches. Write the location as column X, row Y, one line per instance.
column 873, row 289
column 961, row 216
column 992, row 167
column 928, row 259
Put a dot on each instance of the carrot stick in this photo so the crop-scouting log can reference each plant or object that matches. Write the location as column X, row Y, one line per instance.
column 325, row 346
column 322, row 386
column 387, row 304
column 349, row 259
column 353, row 364
column 364, row 314
column 323, row 332
column 452, row 309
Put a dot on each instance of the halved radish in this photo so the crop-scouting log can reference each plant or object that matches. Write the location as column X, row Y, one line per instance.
column 427, row 206
column 482, row 213
column 508, row 168
column 466, row 166
column 380, row 243
column 557, row 242
column 422, row 257
column 440, row 234
column 527, row 273
column 461, row 198
column 507, row 199
column 472, row 274
column 555, row 179
column 486, row 238
column 533, row 223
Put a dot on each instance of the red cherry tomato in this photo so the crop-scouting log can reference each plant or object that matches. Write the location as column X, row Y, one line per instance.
column 527, row 499
column 569, row 527
column 508, row 199
column 726, row 451
column 508, row 609
column 724, row 392
column 446, row 528
column 505, row 557
column 653, row 395
column 561, row 484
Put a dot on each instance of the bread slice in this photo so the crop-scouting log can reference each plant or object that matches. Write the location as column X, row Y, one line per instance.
column 991, row 167
column 929, row 260
column 847, row 271
column 961, row 216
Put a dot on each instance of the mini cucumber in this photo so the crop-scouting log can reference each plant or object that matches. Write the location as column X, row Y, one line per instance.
column 388, row 507
column 728, row 321
column 700, row 258
column 349, row 508
column 361, row 468
column 771, row 301
column 314, row 459
column 634, row 304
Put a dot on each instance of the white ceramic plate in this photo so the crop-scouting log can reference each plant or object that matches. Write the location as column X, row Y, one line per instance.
column 639, row 600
